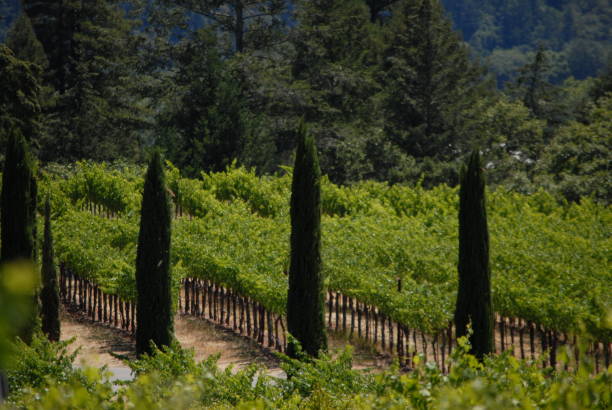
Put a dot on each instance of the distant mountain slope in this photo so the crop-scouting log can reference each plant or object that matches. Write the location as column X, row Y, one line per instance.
column 505, row 33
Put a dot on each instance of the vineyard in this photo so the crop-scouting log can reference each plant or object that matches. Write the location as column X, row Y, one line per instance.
column 389, row 259
column 390, row 250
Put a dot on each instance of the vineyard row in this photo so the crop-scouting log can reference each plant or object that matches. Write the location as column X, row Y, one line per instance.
column 247, row 317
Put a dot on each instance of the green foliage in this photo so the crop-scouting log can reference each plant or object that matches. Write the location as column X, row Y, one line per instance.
column 17, row 283
column 306, row 297
column 170, row 361
column 533, row 88
column 154, row 318
column 548, row 259
column 40, row 365
column 474, row 294
column 20, row 103
column 575, row 30
column 96, row 184
column 96, row 111
column 429, row 82
column 18, row 213
column 576, row 163
column 171, row 379
column 253, row 25
column 332, row 78
column 211, row 124
column 514, row 141
column 22, row 40
column 239, row 183
column 18, row 201
column 49, row 294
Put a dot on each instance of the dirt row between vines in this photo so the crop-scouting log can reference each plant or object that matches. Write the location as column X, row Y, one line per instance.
column 98, row 344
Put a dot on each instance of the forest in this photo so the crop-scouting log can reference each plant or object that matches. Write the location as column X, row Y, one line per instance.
column 424, row 181
column 396, row 91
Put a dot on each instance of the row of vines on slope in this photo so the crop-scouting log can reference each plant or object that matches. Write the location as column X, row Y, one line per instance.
column 550, row 261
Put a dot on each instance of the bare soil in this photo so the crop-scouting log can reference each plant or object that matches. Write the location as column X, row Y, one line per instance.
column 98, row 343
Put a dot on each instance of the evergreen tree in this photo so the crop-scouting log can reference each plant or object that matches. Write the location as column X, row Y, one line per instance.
column 305, row 300
column 576, row 161
column 18, row 212
column 22, row 40
column 252, row 24
column 211, row 122
column 430, row 82
column 20, row 99
column 49, row 295
column 532, row 85
column 98, row 113
column 602, row 85
column 54, row 23
column 17, row 201
column 154, row 320
column 474, row 295
column 377, row 7
column 333, row 84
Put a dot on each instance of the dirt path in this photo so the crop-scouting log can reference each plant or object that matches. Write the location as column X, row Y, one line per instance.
column 96, row 343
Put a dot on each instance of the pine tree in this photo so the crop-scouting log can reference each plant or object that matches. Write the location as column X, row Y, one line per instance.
column 430, row 82
column 377, row 7
column 22, row 40
column 92, row 58
column 49, row 295
column 252, row 24
column 154, row 320
column 334, row 89
column 305, row 301
column 474, row 296
column 211, row 115
column 18, row 213
column 532, row 85
column 20, row 99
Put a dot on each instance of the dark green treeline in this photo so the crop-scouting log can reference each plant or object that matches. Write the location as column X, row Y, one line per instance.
column 154, row 322
column 305, row 301
column 474, row 296
column 18, row 207
column 49, row 295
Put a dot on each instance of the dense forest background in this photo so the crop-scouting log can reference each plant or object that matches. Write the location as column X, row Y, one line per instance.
column 393, row 90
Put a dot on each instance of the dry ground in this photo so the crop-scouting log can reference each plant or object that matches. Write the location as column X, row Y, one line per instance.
column 96, row 343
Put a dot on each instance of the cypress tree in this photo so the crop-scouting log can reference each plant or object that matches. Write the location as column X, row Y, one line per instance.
column 49, row 294
column 305, row 301
column 474, row 296
column 154, row 321
column 18, row 212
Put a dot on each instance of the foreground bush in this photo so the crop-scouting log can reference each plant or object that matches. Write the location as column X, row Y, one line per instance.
column 171, row 379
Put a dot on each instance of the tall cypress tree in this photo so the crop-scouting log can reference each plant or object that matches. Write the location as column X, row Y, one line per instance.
column 49, row 294
column 17, row 201
column 474, row 296
column 305, row 301
column 154, row 321
column 18, row 212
